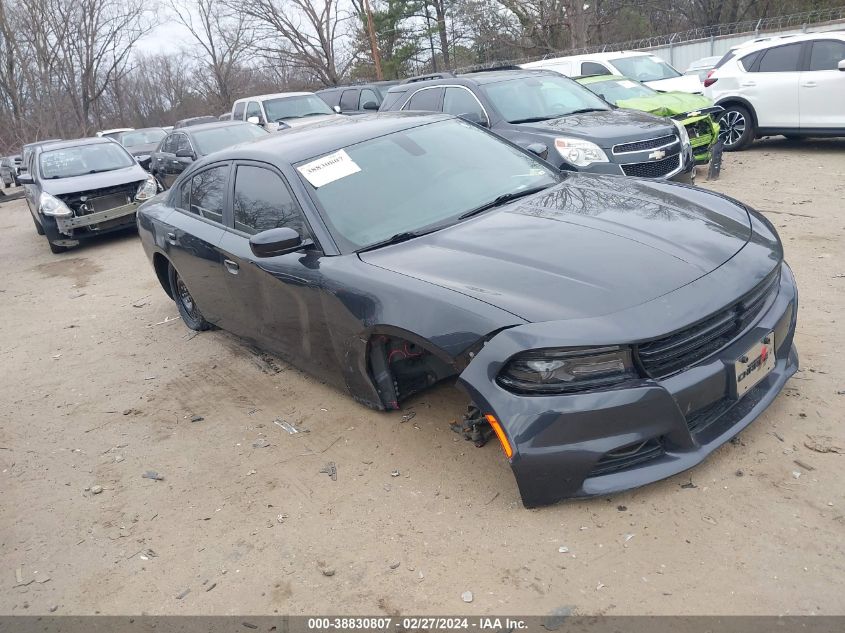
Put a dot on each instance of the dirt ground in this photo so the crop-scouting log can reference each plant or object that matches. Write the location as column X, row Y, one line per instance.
column 101, row 382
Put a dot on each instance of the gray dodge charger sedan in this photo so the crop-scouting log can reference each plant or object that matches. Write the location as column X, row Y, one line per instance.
column 610, row 331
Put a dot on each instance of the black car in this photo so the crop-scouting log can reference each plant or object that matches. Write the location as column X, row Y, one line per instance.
column 9, row 167
column 182, row 147
column 195, row 120
column 610, row 331
column 356, row 99
column 558, row 119
column 142, row 142
column 81, row 188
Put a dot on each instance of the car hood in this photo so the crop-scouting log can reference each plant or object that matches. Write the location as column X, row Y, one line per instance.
column 88, row 182
column 605, row 127
column 591, row 246
column 684, row 83
column 307, row 120
column 667, row 104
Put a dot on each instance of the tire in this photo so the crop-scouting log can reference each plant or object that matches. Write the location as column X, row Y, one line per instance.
column 188, row 309
column 38, row 228
column 737, row 128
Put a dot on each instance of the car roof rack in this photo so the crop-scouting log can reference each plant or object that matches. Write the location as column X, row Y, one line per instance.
column 439, row 75
column 492, row 69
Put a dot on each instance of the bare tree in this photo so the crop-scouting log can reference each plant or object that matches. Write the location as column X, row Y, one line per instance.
column 308, row 34
column 224, row 40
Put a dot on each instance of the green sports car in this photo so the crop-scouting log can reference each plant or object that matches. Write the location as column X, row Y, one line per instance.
column 696, row 112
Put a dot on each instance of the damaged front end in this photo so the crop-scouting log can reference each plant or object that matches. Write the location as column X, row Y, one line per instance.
column 85, row 213
column 581, row 420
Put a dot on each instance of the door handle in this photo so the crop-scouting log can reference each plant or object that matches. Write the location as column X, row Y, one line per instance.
column 171, row 237
column 231, row 266
column 810, row 84
column 748, row 84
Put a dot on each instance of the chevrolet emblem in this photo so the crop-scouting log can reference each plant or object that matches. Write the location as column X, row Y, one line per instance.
column 657, row 154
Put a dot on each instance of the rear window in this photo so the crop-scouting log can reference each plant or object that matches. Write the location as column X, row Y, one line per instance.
column 725, row 59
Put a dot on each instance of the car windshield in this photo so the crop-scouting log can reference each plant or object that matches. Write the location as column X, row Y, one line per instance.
column 539, row 98
column 644, row 68
column 295, row 107
column 614, row 90
column 217, row 138
column 68, row 162
column 142, row 137
column 418, row 179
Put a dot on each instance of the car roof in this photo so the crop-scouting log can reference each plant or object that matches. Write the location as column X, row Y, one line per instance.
column 211, row 125
column 77, row 142
column 37, row 143
column 366, row 84
column 316, row 139
column 777, row 40
column 144, row 129
column 479, row 77
column 597, row 56
column 275, row 95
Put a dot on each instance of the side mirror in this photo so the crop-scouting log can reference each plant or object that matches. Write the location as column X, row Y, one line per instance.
column 841, row 65
column 275, row 242
column 254, row 120
column 474, row 117
column 337, row 109
column 370, row 105
column 25, row 178
column 185, row 153
column 539, row 149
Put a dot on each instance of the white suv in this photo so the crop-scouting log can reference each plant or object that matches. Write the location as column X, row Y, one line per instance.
column 794, row 86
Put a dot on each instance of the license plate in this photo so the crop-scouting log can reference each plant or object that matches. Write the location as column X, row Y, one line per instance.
column 754, row 365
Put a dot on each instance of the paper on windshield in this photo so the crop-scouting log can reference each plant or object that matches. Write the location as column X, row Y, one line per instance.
column 627, row 83
column 329, row 168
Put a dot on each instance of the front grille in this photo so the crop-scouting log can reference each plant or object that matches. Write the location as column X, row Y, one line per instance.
column 96, row 200
column 641, row 146
column 670, row 354
column 627, row 457
column 104, row 203
column 653, row 169
column 702, row 418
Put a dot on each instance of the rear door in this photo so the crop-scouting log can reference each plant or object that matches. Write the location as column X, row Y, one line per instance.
column 772, row 86
column 821, row 90
column 161, row 158
column 349, row 100
column 193, row 237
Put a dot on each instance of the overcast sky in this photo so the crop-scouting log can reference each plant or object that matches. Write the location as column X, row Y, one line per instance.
column 167, row 37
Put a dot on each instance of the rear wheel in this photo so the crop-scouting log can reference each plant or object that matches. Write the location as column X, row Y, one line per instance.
column 188, row 309
column 737, row 128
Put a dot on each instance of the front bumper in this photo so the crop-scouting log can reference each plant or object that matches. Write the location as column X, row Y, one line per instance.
column 111, row 219
column 680, row 166
column 575, row 445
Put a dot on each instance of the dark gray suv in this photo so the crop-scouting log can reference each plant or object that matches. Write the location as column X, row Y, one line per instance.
column 558, row 119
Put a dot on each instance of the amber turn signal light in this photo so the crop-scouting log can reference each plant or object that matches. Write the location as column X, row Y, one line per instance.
column 500, row 433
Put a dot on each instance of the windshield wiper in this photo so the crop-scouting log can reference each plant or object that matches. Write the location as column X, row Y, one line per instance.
column 100, row 171
column 500, row 200
column 584, row 110
column 534, row 119
column 393, row 239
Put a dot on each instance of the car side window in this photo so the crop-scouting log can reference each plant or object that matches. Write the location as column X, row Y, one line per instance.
column 208, row 193
column 826, row 54
column 238, row 114
column 263, row 201
column 349, row 100
column 254, row 109
column 182, row 143
column 367, row 95
column 458, row 101
column 427, row 99
column 780, row 59
column 593, row 68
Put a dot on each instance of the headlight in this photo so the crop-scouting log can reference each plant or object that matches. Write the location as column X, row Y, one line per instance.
column 682, row 133
column 564, row 370
column 148, row 189
column 579, row 152
column 50, row 205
